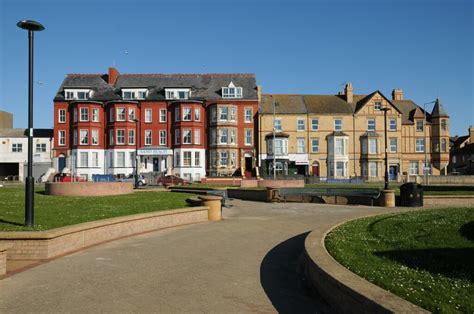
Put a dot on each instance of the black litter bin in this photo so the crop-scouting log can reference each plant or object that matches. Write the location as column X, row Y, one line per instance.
column 411, row 195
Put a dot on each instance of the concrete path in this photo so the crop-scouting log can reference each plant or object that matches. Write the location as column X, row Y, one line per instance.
column 245, row 263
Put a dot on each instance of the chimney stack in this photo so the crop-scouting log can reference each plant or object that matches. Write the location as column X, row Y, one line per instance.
column 113, row 75
column 348, row 92
column 471, row 134
column 397, row 94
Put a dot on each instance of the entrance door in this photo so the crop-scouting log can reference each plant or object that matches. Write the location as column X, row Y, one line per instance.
column 61, row 163
column 316, row 170
column 156, row 164
column 392, row 173
column 248, row 167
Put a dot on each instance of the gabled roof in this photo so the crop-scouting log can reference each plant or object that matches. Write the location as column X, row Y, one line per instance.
column 292, row 104
column 438, row 110
column 203, row 86
column 408, row 108
column 362, row 101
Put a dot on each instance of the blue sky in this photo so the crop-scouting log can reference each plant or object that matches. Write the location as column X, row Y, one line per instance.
column 424, row 47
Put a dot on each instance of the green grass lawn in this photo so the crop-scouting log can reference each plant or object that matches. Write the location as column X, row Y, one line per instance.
column 58, row 211
column 425, row 257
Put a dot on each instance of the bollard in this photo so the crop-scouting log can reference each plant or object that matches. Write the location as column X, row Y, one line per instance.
column 214, row 212
column 388, row 198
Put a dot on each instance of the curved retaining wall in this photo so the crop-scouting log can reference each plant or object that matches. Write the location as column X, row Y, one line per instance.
column 281, row 183
column 88, row 188
column 343, row 290
column 39, row 245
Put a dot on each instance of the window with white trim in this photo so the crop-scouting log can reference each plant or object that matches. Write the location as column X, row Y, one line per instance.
column 62, row 138
column 414, row 170
column 197, row 136
column 120, row 137
column 371, row 125
column 337, row 125
column 131, row 94
column 131, row 114
column 176, row 136
column 393, row 145
column 95, row 137
column 95, row 159
column 177, row 93
column 163, row 114
column 224, row 155
column 187, row 159
column 84, row 159
column 248, row 113
column 419, row 125
column 339, row 148
column 373, row 147
column 187, row 136
column 61, row 115
column 197, row 114
column 148, row 137
column 84, row 137
column 393, row 125
column 148, row 115
column 315, row 145
column 197, row 159
column 163, row 137
column 300, row 124
column 277, row 124
column 120, row 114
column 300, row 147
column 187, row 114
column 373, row 169
column 120, row 159
column 444, row 124
column 420, row 145
column 233, row 116
column 248, row 137
column 233, row 137
column 131, row 137
column 95, row 115
column 223, row 138
column 377, row 105
column 444, row 145
column 223, row 113
column 314, row 124
column 17, row 148
column 84, row 114
column 77, row 94
column 231, row 91
column 111, row 137
column 233, row 159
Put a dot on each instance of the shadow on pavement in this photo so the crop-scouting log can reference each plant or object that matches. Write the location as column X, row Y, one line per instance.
column 284, row 283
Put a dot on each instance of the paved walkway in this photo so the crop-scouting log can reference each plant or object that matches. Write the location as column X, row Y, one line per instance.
column 245, row 263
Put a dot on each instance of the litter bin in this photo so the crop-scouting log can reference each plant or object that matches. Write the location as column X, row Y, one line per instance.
column 411, row 195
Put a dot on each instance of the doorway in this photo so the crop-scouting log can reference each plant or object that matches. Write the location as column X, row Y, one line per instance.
column 156, row 164
column 315, row 169
column 61, row 163
column 393, row 173
column 248, row 166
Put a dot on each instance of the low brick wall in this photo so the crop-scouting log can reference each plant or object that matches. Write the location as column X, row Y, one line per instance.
column 248, row 195
column 3, row 259
column 249, row 183
column 450, row 179
column 343, row 290
column 88, row 188
column 38, row 245
column 230, row 181
column 281, row 183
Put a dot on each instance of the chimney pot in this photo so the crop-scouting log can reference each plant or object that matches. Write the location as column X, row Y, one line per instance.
column 397, row 94
column 348, row 92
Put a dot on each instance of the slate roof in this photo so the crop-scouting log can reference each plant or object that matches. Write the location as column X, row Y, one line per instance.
column 408, row 109
column 438, row 110
column 19, row 132
column 327, row 104
column 292, row 104
column 203, row 86
column 458, row 140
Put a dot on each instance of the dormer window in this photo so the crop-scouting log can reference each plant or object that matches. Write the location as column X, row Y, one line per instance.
column 77, row 94
column 132, row 94
column 177, row 93
column 231, row 91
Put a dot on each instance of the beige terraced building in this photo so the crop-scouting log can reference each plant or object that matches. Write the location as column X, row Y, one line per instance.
column 342, row 136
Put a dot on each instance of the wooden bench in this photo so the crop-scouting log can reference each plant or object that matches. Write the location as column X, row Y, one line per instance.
column 373, row 194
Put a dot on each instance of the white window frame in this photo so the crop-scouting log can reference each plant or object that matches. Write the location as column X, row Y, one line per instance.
column 134, row 93
column 94, row 159
column 95, row 115
column 148, row 137
column 232, row 91
column 131, row 114
column 163, row 137
column 314, row 124
column 61, row 115
column 315, row 147
column 177, row 93
column 300, row 145
column 197, row 159
column 223, row 133
column 187, row 159
column 197, row 114
column 419, row 125
column 187, row 136
column 232, row 137
column 131, row 137
column 222, row 158
column 62, row 138
column 248, row 137
column 73, row 94
column 393, row 125
column 377, row 105
column 163, row 115
column 84, row 139
column 120, row 136
column 84, row 162
column 221, row 113
column 371, row 125
column 187, row 114
column 277, row 125
column 392, row 145
column 248, row 115
column 300, row 124
column 232, row 114
column 95, row 137
column 118, row 115
column 120, row 160
column 337, row 126
column 17, row 148
column 414, row 168
column 372, row 169
column 148, row 115
column 339, row 151
column 84, row 114
column 420, row 145
column 372, row 146
column 197, row 136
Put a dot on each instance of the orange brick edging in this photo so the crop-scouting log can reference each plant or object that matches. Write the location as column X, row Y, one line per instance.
column 39, row 245
column 343, row 290
column 88, row 188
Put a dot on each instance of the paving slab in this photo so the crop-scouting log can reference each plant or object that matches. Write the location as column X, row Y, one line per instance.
column 246, row 263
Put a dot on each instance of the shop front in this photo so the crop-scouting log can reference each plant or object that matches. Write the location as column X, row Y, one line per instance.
column 157, row 160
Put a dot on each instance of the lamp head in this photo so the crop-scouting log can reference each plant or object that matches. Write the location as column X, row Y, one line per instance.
column 30, row 25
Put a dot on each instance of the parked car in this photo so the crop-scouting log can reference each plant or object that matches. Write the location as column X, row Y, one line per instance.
column 171, row 180
column 131, row 178
column 67, row 177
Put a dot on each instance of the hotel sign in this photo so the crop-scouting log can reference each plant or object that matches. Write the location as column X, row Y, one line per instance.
column 155, row 151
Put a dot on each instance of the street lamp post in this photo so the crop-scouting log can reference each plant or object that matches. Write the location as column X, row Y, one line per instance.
column 137, row 136
column 274, row 150
column 31, row 27
column 425, row 142
column 385, row 109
